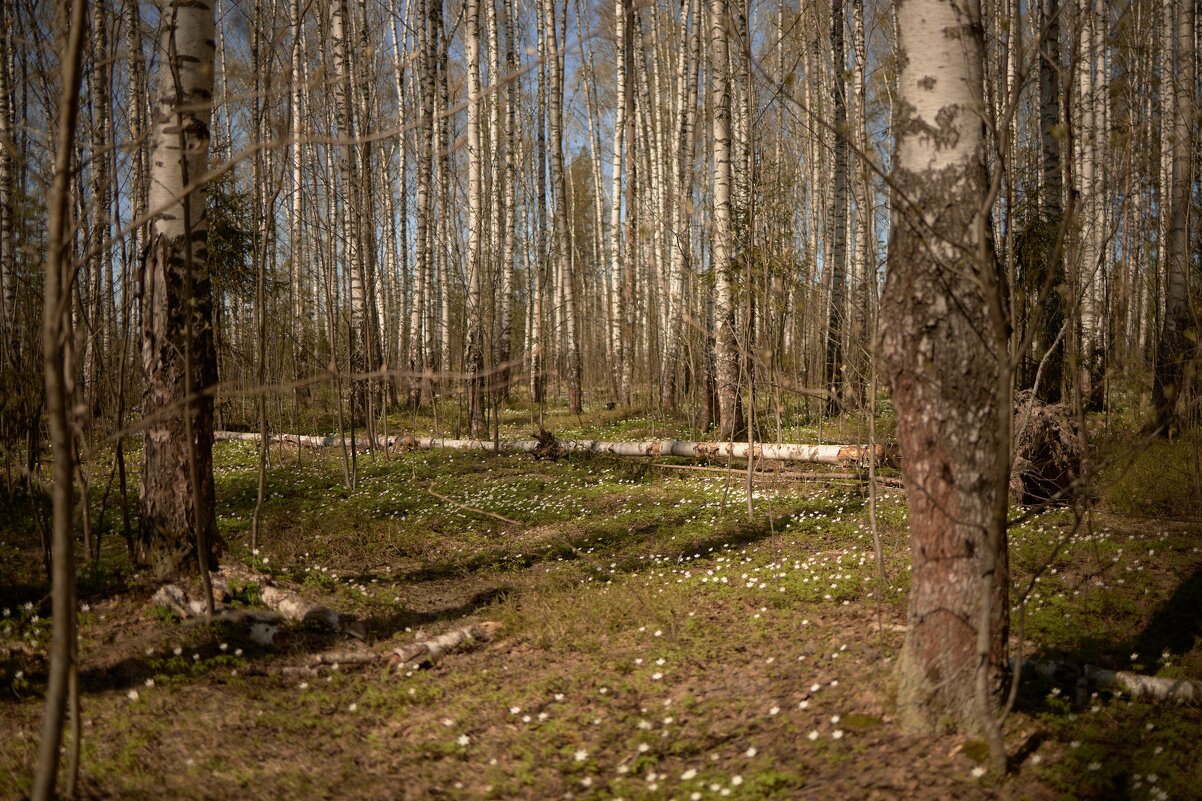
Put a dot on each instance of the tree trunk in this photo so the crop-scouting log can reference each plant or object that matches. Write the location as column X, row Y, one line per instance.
column 943, row 339
column 56, row 356
column 178, row 357
column 1049, row 272
column 563, row 240
column 1175, row 369
column 726, row 346
column 8, row 253
column 838, row 218
column 474, row 351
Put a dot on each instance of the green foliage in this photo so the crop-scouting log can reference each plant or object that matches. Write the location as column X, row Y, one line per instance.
column 230, row 241
column 1161, row 479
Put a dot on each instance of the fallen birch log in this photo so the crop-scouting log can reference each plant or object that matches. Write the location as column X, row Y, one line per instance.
column 1136, row 685
column 430, row 651
column 282, row 605
column 411, row 656
column 262, row 624
column 788, row 475
column 292, row 605
column 843, row 455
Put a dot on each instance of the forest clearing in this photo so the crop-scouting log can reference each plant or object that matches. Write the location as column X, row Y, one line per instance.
column 655, row 643
column 614, row 399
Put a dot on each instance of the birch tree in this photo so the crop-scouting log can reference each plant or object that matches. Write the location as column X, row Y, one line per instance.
column 474, row 355
column 179, row 362
column 943, row 346
column 838, row 216
column 726, row 347
column 1174, row 369
column 563, row 241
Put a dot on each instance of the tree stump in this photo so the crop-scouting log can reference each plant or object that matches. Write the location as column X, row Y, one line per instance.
column 1049, row 450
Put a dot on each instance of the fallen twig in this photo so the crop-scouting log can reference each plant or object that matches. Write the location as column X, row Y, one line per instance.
column 472, row 509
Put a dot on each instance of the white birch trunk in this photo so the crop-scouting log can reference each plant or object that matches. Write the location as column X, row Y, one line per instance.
column 726, row 355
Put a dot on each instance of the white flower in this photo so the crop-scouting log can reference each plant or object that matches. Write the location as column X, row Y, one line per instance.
column 834, row 718
column 464, row 740
column 837, row 734
column 774, row 710
column 132, row 695
column 658, row 633
column 304, row 685
column 736, row 780
column 580, row 755
column 815, row 687
column 688, row 774
column 813, row 735
column 656, row 676
column 149, row 682
column 803, row 705
column 643, row 748
column 751, row 751
column 513, row 710
column 978, row 772
column 352, row 707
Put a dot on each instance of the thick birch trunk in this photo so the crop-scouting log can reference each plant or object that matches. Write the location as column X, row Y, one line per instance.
column 942, row 352
column 178, row 356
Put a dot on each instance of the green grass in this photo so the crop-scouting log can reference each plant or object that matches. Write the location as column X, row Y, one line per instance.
column 657, row 642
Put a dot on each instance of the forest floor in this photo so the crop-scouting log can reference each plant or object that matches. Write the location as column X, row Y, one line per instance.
column 657, row 643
